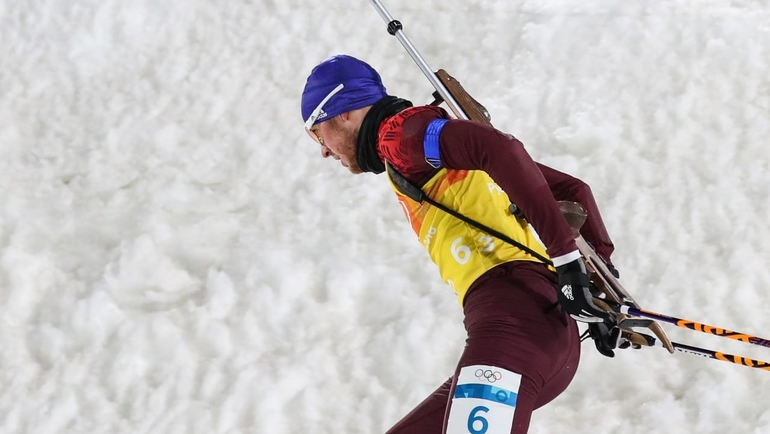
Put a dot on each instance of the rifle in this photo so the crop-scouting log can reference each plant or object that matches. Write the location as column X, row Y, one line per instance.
column 617, row 300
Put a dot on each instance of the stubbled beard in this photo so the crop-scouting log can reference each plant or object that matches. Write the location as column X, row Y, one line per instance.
column 353, row 138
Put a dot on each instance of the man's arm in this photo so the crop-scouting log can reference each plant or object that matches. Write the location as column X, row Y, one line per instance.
column 472, row 146
column 566, row 187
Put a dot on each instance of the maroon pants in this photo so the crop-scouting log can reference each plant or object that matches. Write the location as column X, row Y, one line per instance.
column 511, row 324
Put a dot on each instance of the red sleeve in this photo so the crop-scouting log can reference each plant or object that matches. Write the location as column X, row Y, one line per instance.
column 400, row 139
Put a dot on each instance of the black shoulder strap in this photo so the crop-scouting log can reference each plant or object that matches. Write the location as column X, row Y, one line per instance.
column 405, row 187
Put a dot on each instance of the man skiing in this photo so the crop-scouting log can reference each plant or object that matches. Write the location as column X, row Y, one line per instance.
column 523, row 345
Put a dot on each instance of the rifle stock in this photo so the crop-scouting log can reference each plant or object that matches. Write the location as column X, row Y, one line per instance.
column 472, row 108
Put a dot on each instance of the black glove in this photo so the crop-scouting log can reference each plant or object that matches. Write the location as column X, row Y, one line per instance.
column 575, row 296
column 606, row 337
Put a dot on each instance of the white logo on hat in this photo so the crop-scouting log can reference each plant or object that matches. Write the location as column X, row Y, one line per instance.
column 319, row 113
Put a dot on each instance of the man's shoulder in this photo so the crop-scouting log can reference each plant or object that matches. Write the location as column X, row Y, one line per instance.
column 412, row 121
column 400, row 139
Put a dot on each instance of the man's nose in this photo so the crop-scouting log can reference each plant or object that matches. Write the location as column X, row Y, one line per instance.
column 325, row 152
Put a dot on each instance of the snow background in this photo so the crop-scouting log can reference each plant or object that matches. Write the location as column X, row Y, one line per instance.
column 176, row 258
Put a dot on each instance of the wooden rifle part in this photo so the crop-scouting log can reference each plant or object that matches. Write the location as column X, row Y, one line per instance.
column 601, row 275
column 472, row 108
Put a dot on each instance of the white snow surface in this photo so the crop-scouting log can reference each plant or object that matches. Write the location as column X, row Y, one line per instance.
column 175, row 256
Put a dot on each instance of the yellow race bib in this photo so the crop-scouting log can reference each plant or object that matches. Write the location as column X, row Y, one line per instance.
column 462, row 251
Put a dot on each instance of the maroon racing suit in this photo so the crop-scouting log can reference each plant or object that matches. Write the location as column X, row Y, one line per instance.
column 511, row 312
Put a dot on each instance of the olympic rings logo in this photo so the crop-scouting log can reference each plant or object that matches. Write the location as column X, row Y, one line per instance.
column 489, row 375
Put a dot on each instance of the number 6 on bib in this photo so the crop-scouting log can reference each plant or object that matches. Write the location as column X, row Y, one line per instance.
column 484, row 401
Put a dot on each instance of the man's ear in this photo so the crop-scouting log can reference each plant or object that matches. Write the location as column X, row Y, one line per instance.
column 355, row 116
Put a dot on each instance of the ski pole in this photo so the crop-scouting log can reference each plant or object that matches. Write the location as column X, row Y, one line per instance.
column 396, row 29
column 710, row 354
column 692, row 325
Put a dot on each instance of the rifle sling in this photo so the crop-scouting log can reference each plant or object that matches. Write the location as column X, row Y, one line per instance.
column 415, row 193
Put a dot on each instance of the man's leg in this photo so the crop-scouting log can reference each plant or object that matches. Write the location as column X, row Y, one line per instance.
column 489, row 399
column 519, row 355
column 512, row 334
column 428, row 417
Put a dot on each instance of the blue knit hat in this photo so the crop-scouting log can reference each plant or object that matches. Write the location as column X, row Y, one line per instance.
column 337, row 85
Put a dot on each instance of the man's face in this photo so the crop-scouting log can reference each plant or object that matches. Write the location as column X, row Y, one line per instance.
column 337, row 137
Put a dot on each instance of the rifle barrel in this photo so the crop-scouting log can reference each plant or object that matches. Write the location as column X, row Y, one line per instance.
column 395, row 28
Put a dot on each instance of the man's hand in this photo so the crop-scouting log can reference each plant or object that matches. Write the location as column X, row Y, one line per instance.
column 575, row 296
column 606, row 337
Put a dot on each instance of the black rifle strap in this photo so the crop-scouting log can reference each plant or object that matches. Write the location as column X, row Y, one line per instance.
column 415, row 193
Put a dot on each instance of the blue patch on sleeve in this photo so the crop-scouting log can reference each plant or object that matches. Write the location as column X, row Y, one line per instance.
column 430, row 143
